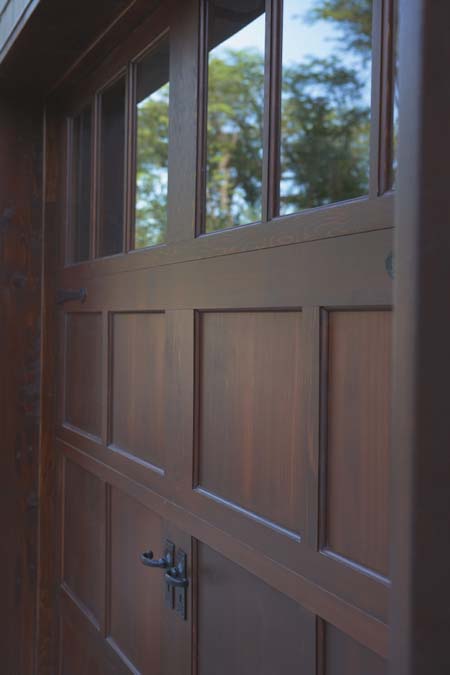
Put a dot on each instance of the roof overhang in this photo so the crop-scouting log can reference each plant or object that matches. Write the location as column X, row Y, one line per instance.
column 42, row 40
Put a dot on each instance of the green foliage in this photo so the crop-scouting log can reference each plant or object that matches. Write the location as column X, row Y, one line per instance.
column 354, row 17
column 325, row 135
column 151, row 176
column 235, row 120
column 324, row 130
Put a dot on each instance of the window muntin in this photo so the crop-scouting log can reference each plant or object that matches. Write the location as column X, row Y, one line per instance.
column 235, row 113
column 152, row 146
column 264, row 185
column 325, row 103
column 112, row 169
column 80, row 188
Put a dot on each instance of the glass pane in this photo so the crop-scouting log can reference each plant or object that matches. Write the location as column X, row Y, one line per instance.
column 152, row 147
column 325, row 111
column 112, row 169
column 80, row 207
column 236, row 41
column 395, row 101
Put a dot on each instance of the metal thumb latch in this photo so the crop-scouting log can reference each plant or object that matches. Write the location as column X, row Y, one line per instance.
column 176, row 578
column 68, row 295
column 164, row 563
column 389, row 264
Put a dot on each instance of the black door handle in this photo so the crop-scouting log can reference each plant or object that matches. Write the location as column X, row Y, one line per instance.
column 176, row 576
column 163, row 563
column 173, row 578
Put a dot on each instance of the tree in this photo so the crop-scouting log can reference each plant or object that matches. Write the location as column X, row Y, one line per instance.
column 234, row 138
column 324, row 135
column 354, row 17
column 151, row 174
column 324, row 132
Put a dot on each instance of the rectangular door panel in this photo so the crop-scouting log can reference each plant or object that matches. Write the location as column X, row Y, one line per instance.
column 136, row 592
column 82, row 372
column 344, row 656
column 82, row 650
column 357, row 348
column 137, row 388
column 249, row 411
column 245, row 627
column 84, row 540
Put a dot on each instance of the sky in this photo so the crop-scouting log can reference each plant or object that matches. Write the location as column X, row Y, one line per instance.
column 300, row 38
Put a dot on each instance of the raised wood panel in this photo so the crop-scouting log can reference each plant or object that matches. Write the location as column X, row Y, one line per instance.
column 76, row 656
column 83, row 650
column 245, row 626
column 83, row 372
column 358, row 436
column 138, row 368
column 136, row 602
column 344, row 656
column 84, row 529
column 249, row 411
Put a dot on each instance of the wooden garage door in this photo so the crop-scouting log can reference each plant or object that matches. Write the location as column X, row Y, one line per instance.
column 224, row 343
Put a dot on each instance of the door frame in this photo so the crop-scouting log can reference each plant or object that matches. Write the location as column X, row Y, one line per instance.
column 420, row 547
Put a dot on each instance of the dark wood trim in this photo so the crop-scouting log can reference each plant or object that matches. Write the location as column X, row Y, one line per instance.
column 376, row 97
column 202, row 116
column 47, row 631
column 94, row 169
column 339, row 220
column 20, row 382
column 420, row 611
column 182, row 215
column 273, row 109
column 385, row 177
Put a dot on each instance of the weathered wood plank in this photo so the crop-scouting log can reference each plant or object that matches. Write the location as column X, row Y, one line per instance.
column 20, row 265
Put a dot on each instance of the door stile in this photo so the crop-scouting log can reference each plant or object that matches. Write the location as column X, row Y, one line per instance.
column 309, row 477
column 106, row 378
column 182, row 213
column 180, row 364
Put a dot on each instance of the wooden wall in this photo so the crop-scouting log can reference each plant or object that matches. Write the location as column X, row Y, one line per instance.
column 20, row 265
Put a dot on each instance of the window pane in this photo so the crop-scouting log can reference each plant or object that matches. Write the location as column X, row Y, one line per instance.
column 395, row 111
column 325, row 111
column 236, row 41
column 80, row 206
column 152, row 146
column 112, row 168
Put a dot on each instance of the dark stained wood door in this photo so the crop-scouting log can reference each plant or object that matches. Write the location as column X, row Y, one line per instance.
column 229, row 393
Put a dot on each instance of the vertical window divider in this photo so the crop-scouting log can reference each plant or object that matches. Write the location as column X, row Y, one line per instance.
column 376, row 117
column 130, row 158
column 272, row 109
column 202, row 116
column 68, row 229
column 387, row 40
column 96, row 144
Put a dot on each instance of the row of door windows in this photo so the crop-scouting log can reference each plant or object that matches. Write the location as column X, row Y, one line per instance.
column 287, row 100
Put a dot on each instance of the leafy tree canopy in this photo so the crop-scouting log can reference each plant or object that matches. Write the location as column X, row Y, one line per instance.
column 324, row 131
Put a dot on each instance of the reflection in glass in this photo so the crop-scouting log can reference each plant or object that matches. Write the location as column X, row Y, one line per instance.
column 80, row 206
column 112, row 169
column 152, row 146
column 395, row 110
column 236, row 43
column 325, row 102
